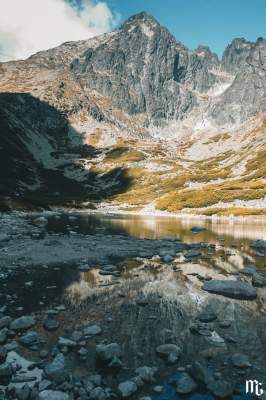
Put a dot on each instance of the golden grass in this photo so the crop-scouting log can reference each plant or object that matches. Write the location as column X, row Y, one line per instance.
column 236, row 211
column 124, row 155
column 257, row 166
column 210, row 195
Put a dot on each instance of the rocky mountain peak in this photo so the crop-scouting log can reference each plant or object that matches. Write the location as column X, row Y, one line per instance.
column 204, row 52
column 235, row 55
column 142, row 17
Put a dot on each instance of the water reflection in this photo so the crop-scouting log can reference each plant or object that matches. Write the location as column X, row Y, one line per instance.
column 156, row 227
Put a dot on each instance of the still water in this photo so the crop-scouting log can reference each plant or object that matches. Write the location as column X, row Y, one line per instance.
column 148, row 302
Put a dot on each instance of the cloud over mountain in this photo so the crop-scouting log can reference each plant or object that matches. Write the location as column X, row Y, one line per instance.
column 27, row 26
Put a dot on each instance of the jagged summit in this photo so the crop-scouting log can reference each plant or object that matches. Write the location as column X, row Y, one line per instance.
column 141, row 17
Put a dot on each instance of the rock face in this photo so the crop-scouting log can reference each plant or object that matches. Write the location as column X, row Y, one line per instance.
column 233, row 289
column 246, row 95
column 235, row 55
column 143, row 69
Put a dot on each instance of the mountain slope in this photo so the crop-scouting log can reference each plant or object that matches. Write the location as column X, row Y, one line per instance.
column 135, row 118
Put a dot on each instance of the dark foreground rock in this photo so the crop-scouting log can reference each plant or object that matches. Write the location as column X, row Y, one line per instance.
column 22, row 323
column 234, row 289
column 259, row 244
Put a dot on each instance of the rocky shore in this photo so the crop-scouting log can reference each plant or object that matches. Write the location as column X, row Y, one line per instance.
column 105, row 316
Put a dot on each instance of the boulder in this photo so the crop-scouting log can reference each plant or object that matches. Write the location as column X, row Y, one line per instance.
column 170, row 352
column 53, row 395
column 106, row 352
column 127, row 388
column 23, row 323
column 55, row 370
column 185, row 384
column 92, row 330
column 233, row 289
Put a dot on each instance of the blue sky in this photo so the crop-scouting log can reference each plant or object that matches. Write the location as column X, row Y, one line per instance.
column 211, row 22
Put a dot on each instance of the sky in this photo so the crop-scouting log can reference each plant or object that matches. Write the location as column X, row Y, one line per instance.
column 27, row 26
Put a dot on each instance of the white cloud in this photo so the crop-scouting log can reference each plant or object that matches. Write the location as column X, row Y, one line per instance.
column 27, row 26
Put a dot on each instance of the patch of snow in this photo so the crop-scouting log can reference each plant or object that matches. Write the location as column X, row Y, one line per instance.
column 147, row 30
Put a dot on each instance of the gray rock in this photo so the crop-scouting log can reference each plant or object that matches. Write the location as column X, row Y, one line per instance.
column 258, row 280
column 248, row 270
column 185, row 384
column 65, row 342
column 95, row 379
column 3, row 335
column 5, row 322
column 259, row 244
column 5, row 370
column 147, row 373
column 98, row 393
column 3, row 354
column 206, row 317
column 45, row 384
column 22, row 323
column 53, row 395
column 221, row 389
column 170, row 352
column 106, row 352
column 51, row 325
column 30, row 338
column 193, row 253
column 23, row 393
column 127, row 388
column 201, row 373
column 56, row 369
column 241, row 361
column 198, row 229
column 92, row 330
column 234, row 289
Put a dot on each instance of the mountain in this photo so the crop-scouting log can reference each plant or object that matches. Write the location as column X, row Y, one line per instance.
column 135, row 119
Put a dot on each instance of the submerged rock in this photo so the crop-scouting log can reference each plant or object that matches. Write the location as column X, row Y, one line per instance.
column 106, row 352
column 198, row 229
column 127, row 388
column 169, row 351
column 241, row 361
column 53, row 395
column 22, row 323
column 221, row 389
column 201, row 373
column 147, row 373
column 234, row 289
column 185, row 384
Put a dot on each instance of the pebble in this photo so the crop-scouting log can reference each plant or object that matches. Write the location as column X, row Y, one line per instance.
column 51, row 325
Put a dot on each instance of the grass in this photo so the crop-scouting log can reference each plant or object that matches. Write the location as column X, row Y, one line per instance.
column 257, row 166
column 211, row 195
column 236, row 211
column 124, row 155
